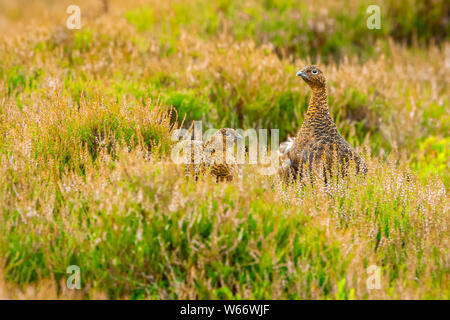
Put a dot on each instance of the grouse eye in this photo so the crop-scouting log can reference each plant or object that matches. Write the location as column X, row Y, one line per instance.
column 314, row 71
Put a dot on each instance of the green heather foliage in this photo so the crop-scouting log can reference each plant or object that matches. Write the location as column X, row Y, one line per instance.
column 86, row 124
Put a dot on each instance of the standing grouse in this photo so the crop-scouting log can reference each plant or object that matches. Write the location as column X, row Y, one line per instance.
column 318, row 147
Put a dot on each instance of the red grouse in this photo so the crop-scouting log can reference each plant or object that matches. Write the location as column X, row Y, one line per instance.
column 318, row 147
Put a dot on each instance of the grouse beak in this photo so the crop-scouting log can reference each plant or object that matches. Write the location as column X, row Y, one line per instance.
column 301, row 74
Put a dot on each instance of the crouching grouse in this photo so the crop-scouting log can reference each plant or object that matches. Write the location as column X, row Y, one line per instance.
column 318, row 147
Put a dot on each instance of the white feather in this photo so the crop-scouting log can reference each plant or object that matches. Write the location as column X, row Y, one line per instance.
column 286, row 146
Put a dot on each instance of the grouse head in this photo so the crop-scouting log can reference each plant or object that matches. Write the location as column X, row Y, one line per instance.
column 313, row 76
column 229, row 135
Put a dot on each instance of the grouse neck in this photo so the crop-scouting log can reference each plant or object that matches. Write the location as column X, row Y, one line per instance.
column 318, row 103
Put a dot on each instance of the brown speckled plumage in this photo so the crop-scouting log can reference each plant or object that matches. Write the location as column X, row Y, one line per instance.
column 318, row 146
column 212, row 156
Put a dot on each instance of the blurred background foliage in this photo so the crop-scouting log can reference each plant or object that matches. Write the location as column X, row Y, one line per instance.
column 328, row 29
